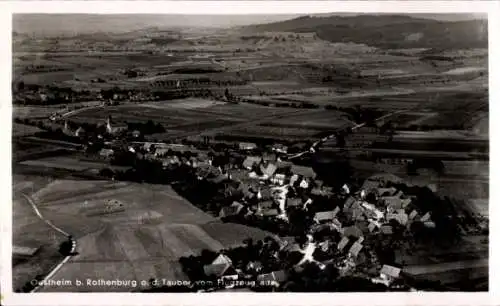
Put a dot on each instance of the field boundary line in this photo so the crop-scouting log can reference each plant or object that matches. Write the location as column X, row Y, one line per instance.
column 65, row 260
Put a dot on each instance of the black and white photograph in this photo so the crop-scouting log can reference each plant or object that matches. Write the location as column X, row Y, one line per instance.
column 331, row 152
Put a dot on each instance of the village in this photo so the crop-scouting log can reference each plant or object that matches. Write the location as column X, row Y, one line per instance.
column 315, row 224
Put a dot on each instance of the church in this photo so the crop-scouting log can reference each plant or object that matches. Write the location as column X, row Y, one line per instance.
column 115, row 128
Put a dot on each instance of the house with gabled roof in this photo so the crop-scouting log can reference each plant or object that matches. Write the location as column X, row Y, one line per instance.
column 220, row 267
column 269, row 157
column 349, row 202
column 278, row 179
column 401, row 218
column 274, row 278
column 370, row 184
column 294, row 202
column 250, row 161
column 386, row 192
column 390, row 272
column 337, row 224
column 290, row 245
column 232, row 210
column 425, row 217
column 294, row 178
column 413, row 215
column 343, row 243
column 352, row 231
column 267, row 169
column 303, row 171
column 273, row 212
column 386, row 229
column 355, row 249
column 247, row 146
column 324, row 216
column 372, row 227
column 254, row 266
column 430, row 224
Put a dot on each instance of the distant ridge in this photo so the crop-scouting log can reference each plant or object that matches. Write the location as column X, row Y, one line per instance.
column 83, row 24
column 386, row 31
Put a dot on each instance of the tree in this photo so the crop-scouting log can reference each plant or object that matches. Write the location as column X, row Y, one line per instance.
column 20, row 86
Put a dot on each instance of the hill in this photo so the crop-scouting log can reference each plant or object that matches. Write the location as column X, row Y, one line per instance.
column 144, row 239
column 386, row 31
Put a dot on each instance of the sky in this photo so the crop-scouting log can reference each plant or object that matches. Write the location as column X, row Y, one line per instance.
column 62, row 24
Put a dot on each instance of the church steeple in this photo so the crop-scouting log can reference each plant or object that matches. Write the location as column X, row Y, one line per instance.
column 108, row 125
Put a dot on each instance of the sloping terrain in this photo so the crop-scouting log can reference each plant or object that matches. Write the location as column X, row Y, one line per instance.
column 386, row 31
column 142, row 240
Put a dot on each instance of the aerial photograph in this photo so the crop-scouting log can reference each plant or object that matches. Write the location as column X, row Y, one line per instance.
column 340, row 152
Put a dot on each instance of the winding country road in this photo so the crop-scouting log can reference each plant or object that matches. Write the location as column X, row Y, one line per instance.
column 67, row 258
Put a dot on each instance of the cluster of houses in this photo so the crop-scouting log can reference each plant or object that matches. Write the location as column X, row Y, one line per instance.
column 251, row 275
column 360, row 218
column 269, row 187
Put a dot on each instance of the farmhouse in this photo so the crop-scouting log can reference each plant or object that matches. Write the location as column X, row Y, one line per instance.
column 401, row 218
column 268, row 169
column 221, row 267
column 107, row 153
column 293, row 202
column 79, row 132
column 250, row 161
column 247, row 146
column 386, row 229
column 136, row 134
column 355, row 249
column 274, row 278
column 278, row 179
column 413, row 215
column 232, row 210
column 425, row 217
column 343, row 243
column 352, row 231
column 324, row 216
column 386, row 192
column 269, row 212
column 293, row 179
column 280, row 148
column 303, row 171
column 389, row 272
column 269, row 157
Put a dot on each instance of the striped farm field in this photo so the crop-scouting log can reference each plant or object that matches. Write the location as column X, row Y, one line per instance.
column 141, row 253
column 144, row 240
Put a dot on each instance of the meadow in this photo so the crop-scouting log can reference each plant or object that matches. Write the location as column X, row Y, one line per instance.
column 145, row 240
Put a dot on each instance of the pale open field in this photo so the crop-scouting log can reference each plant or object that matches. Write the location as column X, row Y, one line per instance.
column 145, row 240
column 189, row 103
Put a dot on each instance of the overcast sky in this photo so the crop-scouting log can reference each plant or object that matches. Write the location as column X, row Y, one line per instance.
column 52, row 24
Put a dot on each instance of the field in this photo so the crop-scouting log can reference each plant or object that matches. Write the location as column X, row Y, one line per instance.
column 29, row 230
column 69, row 163
column 156, row 228
column 292, row 82
column 196, row 116
column 20, row 130
column 33, row 111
